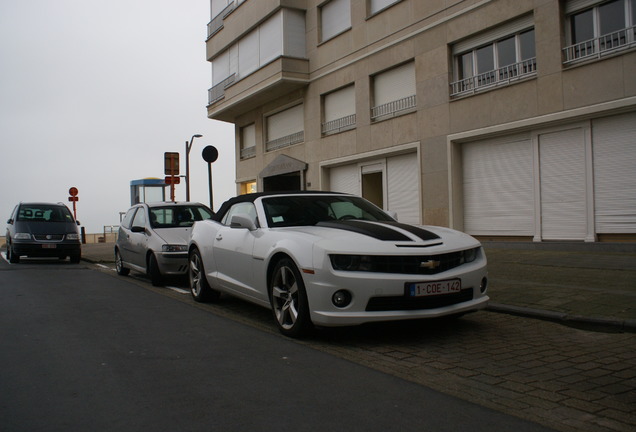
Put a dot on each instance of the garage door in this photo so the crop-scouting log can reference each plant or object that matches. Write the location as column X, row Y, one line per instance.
column 563, row 193
column 498, row 187
column 614, row 149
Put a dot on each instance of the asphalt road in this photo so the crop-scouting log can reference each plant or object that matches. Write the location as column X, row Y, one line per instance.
column 85, row 350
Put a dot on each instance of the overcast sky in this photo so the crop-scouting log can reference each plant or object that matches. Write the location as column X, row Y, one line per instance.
column 92, row 93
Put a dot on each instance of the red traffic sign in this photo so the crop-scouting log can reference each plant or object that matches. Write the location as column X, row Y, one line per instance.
column 73, row 198
column 171, row 163
column 73, row 192
column 172, row 180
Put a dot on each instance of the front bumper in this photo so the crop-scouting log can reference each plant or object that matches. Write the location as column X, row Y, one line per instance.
column 172, row 263
column 379, row 297
column 43, row 250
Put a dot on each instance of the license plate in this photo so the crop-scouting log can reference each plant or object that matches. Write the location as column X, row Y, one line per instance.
column 49, row 246
column 423, row 289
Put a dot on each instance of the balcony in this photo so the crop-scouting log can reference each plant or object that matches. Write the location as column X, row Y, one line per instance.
column 395, row 108
column 237, row 95
column 601, row 46
column 285, row 141
column 339, row 125
column 498, row 77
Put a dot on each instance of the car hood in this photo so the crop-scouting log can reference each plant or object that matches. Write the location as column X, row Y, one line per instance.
column 357, row 235
column 174, row 235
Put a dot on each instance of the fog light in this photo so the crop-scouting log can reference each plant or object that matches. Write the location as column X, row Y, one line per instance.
column 484, row 285
column 341, row 298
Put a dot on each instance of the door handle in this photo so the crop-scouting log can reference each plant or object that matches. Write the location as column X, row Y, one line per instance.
column 219, row 237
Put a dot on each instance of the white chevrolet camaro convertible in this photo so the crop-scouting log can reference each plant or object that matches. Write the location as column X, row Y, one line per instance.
column 329, row 259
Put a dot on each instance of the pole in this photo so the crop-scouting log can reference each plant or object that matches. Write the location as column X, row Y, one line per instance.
column 210, row 185
column 187, row 175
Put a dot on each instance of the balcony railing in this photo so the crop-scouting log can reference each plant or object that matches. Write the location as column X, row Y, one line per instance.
column 497, row 77
column 596, row 48
column 217, row 22
column 218, row 91
column 248, row 152
column 400, row 106
column 339, row 125
column 285, row 141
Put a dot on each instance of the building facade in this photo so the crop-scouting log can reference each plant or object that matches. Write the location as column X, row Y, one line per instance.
column 507, row 119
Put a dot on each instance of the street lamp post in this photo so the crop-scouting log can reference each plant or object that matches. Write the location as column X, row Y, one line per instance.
column 188, row 146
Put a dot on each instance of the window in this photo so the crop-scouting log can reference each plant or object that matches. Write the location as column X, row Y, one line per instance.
column 283, row 34
column 494, row 58
column 248, row 141
column 339, row 111
column 335, row 18
column 394, row 92
column 285, row 128
column 246, row 209
column 140, row 218
column 595, row 29
column 376, row 6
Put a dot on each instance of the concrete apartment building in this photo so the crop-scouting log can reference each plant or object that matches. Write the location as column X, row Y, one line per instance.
column 507, row 119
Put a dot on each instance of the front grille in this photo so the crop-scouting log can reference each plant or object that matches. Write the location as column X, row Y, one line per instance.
column 379, row 304
column 49, row 237
column 402, row 264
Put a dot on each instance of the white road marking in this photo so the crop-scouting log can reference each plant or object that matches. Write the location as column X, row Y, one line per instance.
column 179, row 290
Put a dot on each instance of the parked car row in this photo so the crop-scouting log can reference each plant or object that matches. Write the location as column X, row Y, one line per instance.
column 313, row 258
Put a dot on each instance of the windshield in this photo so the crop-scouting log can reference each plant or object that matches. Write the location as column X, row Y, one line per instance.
column 44, row 213
column 283, row 211
column 177, row 216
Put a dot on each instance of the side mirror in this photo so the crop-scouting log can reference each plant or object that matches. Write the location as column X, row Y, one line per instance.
column 138, row 229
column 78, row 223
column 240, row 221
column 10, row 221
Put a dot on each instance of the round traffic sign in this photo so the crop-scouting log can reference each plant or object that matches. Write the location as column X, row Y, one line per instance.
column 73, row 191
column 210, row 154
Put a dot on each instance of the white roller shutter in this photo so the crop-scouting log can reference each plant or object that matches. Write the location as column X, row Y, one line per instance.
column 403, row 196
column 294, row 33
column 285, row 123
column 394, row 84
column 614, row 149
column 378, row 5
column 270, row 39
column 335, row 17
column 563, row 194
column 248, row 54
column 340, row 104
column 498, row 187
column 345, row 178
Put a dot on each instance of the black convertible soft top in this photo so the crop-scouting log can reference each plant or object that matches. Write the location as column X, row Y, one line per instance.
column 218, row 216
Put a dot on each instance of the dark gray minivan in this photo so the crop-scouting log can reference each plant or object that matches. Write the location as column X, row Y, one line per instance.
column 42, row 230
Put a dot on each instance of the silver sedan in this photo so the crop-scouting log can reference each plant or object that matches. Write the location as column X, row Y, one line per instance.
column 153, row 238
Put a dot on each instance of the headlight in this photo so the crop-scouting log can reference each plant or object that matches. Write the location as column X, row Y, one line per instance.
column 470, row 255
column 22, row 236
column 351, row 262
column 72, row 236
column 174, row 248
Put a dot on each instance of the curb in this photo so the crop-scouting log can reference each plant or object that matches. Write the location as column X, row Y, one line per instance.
column 600, row 324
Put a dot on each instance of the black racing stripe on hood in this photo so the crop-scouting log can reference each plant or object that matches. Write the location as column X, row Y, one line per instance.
column 378, row 231
column 419, row 232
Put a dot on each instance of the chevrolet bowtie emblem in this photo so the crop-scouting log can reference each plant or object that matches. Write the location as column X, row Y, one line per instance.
column 430, row 264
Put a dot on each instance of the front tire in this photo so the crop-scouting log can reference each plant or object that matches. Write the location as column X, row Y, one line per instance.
column 11, row 255
column 289, row 299
column 153, row 271
column 199, row 286
column 119, row 265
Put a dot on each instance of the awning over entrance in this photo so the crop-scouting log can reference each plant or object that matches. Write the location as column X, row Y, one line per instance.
column 283, row 174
